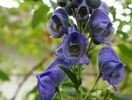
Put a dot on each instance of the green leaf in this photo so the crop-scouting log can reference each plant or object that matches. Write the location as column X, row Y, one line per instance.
column 39, row 15
column 125, row 49
column 68, row 84
column 79, row 82
column 4, row 76
column 71, row 75
column 125, row 35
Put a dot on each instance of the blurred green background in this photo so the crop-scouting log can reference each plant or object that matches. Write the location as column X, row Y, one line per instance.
column 25, row 43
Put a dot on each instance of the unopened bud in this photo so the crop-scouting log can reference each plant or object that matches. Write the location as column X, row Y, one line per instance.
column 61, row 3
column 94, row 3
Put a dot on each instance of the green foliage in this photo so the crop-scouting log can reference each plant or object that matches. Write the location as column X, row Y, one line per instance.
column 39, row 14
column 72, row 76
column 4, row 76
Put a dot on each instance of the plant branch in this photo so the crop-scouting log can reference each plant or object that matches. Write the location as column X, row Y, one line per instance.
column 86, row 98
column 27, row 76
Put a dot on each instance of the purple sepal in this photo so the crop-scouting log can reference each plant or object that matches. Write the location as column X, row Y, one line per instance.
column 82, row 13
column 110, row 66
column 51, row 78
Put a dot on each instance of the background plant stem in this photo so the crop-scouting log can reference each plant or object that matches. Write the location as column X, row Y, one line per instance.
column 86, row 98
column 59, row 92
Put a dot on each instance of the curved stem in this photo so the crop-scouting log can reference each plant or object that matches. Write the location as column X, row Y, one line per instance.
column 86, row 26
column 27, row 76
column 106, row 95
column 89, row 45
column 86, row 98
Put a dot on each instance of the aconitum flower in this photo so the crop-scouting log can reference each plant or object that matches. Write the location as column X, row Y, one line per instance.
column 82, row 13
column 70, row 6
column 94, row 3
column 110, row 66
column 101, row 25
column 73, row 47
column 58, row 24
column 51, row 78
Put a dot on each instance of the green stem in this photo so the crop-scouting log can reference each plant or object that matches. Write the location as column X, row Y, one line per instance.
column 78, row 95
column 74, row 68
column 86, row 26
column 86, row 98
column 58, row 90
column 106, row 95
column 89, row 45
column 80, row 27
column 79, row 77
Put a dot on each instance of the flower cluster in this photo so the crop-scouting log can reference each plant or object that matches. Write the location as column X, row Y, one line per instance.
column 90, row 15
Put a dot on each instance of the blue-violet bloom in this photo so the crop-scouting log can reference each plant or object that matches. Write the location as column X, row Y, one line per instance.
column 58, row 24
column 104, row 8
column 101, row 26
column 73, row 47
column 110, row 66
column 51, row 78
column 82, row 13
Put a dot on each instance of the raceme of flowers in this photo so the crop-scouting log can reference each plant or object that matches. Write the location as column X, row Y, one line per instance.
column 93, row 23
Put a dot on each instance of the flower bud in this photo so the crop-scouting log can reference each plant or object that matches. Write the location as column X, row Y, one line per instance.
column 110, row 90
column 96, row 94
column 61, row 3
column 94, row 3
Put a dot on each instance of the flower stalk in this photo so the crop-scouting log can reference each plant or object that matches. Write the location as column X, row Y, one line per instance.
column 91, row 91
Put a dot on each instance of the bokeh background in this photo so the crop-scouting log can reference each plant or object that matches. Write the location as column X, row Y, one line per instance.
column 26, row 49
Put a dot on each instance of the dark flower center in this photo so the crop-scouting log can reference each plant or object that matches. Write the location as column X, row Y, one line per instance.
column 58, row 26
column 74, row 48
column 83, row 11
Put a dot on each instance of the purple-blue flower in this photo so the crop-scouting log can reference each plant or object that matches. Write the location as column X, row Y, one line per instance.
column 82, row 13
column 73, row 47
column 94, row 3
column 71, row 5
column 101, row 25
column 110, row 66
column 104, row 8
column 58, row 24
column 51, row 78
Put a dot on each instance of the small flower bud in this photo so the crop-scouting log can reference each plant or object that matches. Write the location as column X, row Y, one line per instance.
column 61, row 3
column 94, row 3
column 110, row 90
column 96, row 94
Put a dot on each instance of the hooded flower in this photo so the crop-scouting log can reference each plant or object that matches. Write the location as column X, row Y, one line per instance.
column 51, row 78
column 58, row 24
column 82, row 13
column 110, row 66
column 94, row 3
column 70, row 6
column 101, row 25
column 73, row 47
